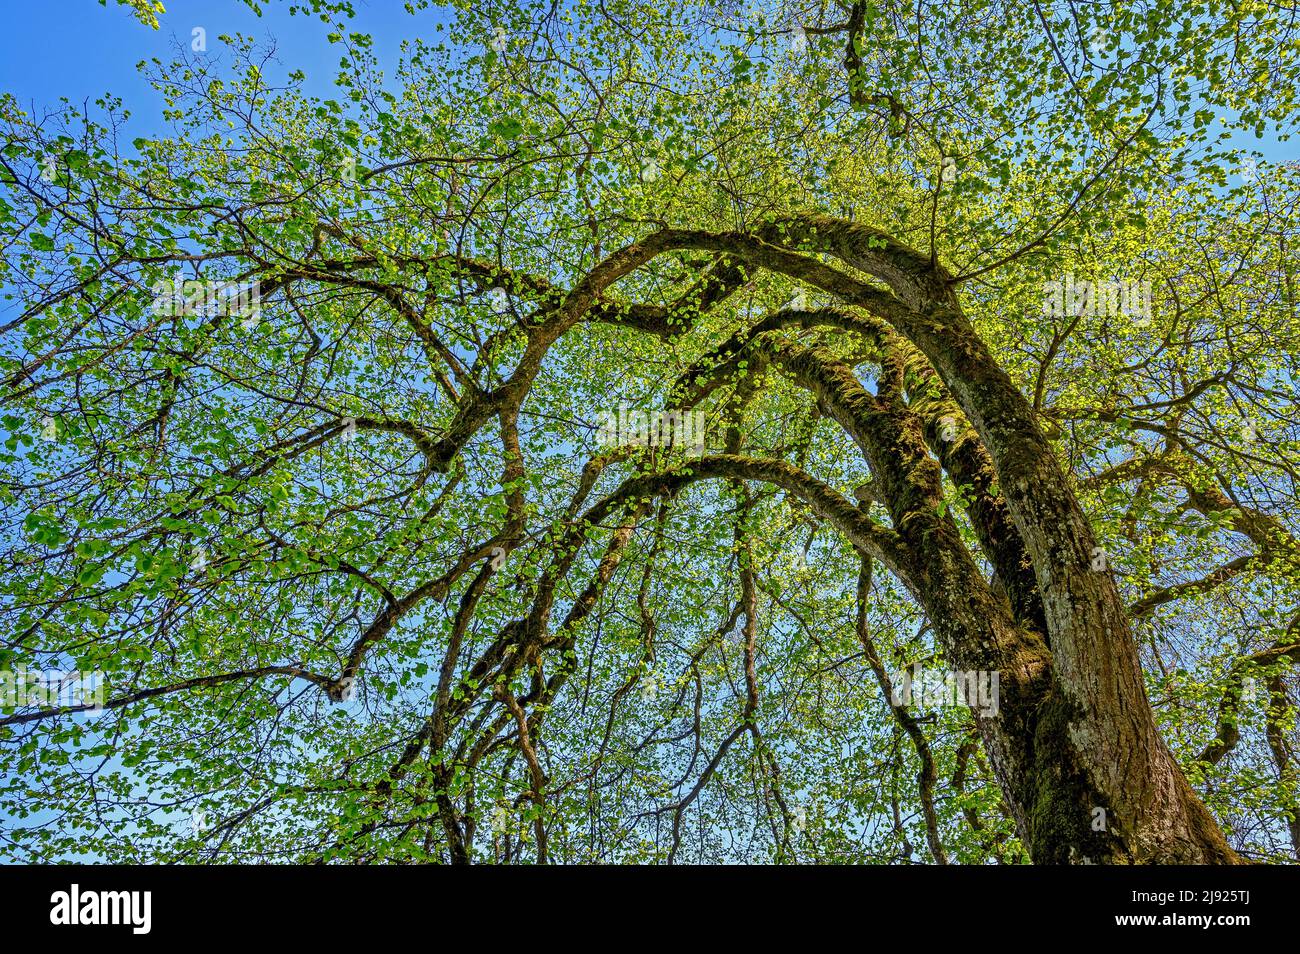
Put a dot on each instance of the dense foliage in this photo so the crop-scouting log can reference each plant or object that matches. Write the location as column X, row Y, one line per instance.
column 362, row 579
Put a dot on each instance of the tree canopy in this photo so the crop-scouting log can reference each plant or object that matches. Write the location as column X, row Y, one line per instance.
column 990, row 327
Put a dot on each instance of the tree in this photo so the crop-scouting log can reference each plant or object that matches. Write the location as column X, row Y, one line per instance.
column 585, row 445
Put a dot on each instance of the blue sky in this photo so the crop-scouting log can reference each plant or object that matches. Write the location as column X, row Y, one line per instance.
column 79, row 49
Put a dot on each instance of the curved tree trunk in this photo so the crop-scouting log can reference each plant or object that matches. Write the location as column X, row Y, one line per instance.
column 1075, row 745
column 1095, row 755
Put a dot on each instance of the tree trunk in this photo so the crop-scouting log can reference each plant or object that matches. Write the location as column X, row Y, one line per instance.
column 1075, row 745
